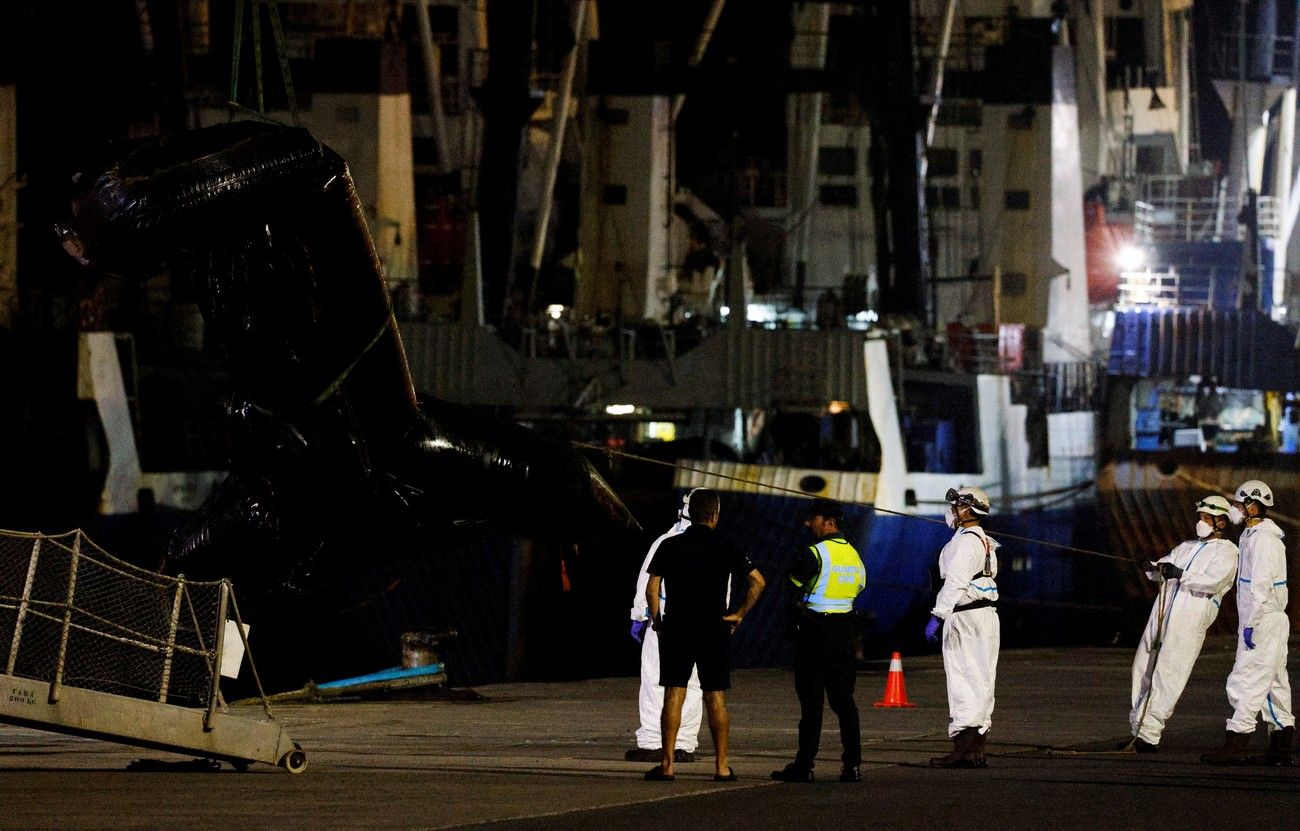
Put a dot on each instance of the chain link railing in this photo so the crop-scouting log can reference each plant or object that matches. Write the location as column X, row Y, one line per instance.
column 94, row 646
column 73, row 615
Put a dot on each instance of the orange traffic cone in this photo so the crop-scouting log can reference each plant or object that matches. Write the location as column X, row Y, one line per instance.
column 895, row 688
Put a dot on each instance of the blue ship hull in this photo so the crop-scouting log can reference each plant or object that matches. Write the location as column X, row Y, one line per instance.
column 1047, row 595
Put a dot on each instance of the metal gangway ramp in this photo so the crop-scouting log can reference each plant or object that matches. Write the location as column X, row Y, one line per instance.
column 94, row 646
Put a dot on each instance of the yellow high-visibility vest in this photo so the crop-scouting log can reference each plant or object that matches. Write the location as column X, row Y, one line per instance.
column 841, row 576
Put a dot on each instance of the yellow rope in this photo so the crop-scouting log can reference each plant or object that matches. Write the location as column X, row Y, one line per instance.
column 802, row 494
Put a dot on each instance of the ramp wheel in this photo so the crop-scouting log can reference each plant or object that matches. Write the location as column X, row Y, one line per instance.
column 295, row 761
column 240, row 766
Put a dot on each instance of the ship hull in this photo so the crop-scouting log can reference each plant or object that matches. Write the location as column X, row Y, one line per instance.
column 1148, row 501
column 1048, row 594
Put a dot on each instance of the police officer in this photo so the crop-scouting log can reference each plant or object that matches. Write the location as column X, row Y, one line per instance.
column 966, row 613
column 828, row 577
column 1258, row 684
column 1195, row 576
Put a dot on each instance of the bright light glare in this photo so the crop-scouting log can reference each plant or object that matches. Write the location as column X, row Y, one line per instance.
column 661, row 430
column 760, row 313
column 620, row 409
column 555, row 311
column 1130, row 258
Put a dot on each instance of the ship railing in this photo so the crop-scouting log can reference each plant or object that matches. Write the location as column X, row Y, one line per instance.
column 580, row 340
column 1148, row 288
column 1166, row 289
column 1059, row 387
column 987, row 357
column 81, row 618
column 1268, row 216
column 1143, row 223
column 95, row 646
column 1072, row 386
column 1186, row 219
column 1159, row 187
column 979, row 353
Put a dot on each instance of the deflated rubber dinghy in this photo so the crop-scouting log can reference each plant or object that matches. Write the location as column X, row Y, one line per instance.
column 332, row 455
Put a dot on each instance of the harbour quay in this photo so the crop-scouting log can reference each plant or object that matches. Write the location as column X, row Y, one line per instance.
column 550, row 755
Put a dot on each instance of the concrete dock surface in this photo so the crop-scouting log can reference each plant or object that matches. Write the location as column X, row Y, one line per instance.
column 550, row 755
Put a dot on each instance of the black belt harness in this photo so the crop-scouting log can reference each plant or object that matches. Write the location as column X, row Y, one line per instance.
column 982, row 603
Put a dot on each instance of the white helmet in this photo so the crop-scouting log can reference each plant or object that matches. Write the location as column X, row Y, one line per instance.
column 1255, row 490
column 974, row 498
column 685, row 511
column 1213, row 505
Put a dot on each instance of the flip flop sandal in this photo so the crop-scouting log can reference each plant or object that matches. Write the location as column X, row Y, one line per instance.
column 656, row 774
column 729, row 777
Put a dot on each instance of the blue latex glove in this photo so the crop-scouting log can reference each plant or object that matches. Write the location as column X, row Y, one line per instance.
column 1248, row 635
column 638, row 630
column 932, row 629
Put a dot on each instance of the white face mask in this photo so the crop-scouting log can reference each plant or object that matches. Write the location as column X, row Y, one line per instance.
column 1203, row 529
column 1235, row 516
column 951, row 519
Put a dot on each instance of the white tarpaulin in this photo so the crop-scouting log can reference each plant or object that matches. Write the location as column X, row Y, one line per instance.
column 232, row 650
column 101, row 368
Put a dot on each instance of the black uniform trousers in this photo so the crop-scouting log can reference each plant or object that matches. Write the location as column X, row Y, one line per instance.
column 824, row 668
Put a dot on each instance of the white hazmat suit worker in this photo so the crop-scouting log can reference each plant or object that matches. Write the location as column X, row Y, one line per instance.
column 1193, row 579
column 650, row 700
column 966, row 613
column 1258, row 685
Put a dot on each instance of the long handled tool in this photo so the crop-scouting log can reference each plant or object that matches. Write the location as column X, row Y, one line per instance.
column 1156, row 643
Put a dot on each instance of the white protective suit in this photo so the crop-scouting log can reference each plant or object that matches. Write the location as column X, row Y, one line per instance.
column 971, row 638
column 1191, row 605
column 1258, row 682
column 651, row 698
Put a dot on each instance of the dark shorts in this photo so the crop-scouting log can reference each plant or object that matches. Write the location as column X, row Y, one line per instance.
column 705, row 648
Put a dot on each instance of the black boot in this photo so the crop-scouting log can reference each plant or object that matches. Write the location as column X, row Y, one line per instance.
column 794, row 772
column 963, row 751
column 1235, row 748
column 1138, row 746
column 977, row 753
column 1279, row 753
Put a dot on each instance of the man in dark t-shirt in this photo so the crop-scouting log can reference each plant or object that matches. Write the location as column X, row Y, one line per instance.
column 695, row 631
